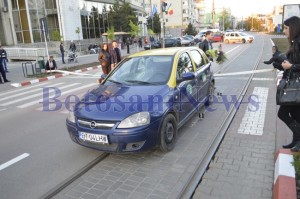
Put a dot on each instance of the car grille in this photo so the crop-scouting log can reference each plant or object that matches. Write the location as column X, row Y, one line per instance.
column 94, row 124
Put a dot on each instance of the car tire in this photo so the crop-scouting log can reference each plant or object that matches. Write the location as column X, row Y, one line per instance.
column 168, row 133
column 244, row 41
column 210, row 95
column 250, row 41
column 227, row 41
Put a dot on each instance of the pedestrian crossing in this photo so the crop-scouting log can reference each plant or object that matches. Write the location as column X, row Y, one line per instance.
column 34, row 96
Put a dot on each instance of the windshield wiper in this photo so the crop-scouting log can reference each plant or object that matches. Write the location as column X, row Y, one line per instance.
column 114, row 81
column 140, row 82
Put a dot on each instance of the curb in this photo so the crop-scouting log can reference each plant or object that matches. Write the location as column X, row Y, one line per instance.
column 26, row 83
column 284, row 176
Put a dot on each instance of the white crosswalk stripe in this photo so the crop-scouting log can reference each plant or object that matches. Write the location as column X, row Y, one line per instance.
column 27, row 92
column 34, row 95
column 40, row 94
column 62, row 93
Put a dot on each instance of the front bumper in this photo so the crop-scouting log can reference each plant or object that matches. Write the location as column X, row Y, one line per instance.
column 120, row 140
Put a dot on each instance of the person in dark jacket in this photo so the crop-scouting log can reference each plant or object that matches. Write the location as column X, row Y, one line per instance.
column 72, row 46
column 277, row 58
column 290, row 115
column 115, row 55
column 62, row 51
column 51, row 64
column 104, row 59
column 206, row 44
column 4, row 58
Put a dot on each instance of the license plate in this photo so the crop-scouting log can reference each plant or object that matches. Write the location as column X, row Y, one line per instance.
column 93, row 137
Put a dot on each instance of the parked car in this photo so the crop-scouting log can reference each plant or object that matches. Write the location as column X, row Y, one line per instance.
column 152, row 45
column 171, row 42
column 236, row 37
column 216, row 37
column 184, row 41
column 191, row 37
column 137, row 106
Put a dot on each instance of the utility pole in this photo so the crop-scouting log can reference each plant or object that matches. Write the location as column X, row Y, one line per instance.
column 223, row 14
column 162, row 24
column 213, row 14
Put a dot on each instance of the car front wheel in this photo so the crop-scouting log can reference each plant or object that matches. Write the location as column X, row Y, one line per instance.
column 168, row 133
column 244, row 41
column 227, row 41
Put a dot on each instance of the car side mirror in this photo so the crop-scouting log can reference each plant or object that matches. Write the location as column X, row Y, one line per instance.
column 186, row 76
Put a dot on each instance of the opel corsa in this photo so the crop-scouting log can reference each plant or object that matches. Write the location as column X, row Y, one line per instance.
column 144, row 101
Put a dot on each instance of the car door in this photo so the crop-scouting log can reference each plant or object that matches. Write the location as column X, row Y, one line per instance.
column 203, row 73
column 185, row 90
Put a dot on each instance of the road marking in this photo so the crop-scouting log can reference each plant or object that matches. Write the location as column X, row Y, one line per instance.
column 23, row 89
column 63, row 93
column 254, row 117
column 3, row 109
column 35, row 95
column 27, row 92
column 13, row 161
column 231, row 50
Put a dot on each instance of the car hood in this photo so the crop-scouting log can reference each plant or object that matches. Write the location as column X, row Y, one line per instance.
column 115, row 102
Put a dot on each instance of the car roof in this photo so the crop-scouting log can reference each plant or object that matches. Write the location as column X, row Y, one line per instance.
column 162, row 51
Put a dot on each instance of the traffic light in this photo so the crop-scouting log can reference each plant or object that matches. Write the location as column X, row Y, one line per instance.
column 164, row 6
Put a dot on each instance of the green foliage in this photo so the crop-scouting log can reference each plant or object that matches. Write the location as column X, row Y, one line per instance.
column 77, row 30
column 190, row 30
column 135, row 29
column 150, row 31
column 254, row 23
column 212, row 53
column 111, row 33
column 156, row 24
column 56, row 36
column 224, row 16
column 296, row 165
column 120, row 15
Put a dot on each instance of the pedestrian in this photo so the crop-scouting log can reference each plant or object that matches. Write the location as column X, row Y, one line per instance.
column 104, row 59
column 2, row 71
column 222, row 37
column 62, row 51
column 290, row 115
column 206, row 44
column 72, row 46
column 4, row 58
column 277, row 58
column 140, row 43
column 127, row 44
column 51, row 64
column 115, row 54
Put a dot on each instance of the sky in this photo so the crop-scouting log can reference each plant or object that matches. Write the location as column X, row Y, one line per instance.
column 244, row 8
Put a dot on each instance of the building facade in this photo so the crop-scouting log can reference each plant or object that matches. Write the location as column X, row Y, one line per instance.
column 23, row 21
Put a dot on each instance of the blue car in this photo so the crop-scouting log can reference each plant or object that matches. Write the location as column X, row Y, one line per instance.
column 144, row 101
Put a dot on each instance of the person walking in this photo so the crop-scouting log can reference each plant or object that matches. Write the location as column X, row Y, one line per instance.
column 115, row 55
column 4, row 58
column 140, row 43
column 104, row 59
column 290, row 115
column 62, row 51
column 127, row 44
column 277, row 58
column 206, row 44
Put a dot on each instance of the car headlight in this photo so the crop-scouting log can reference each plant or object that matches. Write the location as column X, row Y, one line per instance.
column 71, row 117
column 135, row 120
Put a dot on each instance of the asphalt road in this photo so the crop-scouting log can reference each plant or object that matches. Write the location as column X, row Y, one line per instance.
column 39, row 138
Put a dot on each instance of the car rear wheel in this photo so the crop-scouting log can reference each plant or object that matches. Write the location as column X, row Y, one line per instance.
column 168, row 133
column 227, row 41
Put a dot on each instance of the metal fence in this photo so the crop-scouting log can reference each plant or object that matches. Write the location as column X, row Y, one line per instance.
column 25, row 53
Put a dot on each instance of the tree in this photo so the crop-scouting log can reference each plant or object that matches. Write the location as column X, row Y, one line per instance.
column 111, row 33
column 120, row 16
column 156, row 24
column 56, row 36
column 135, row 29
column 190, row 30
column 224, row 17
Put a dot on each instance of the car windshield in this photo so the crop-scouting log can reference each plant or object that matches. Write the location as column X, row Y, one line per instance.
column 144, row 70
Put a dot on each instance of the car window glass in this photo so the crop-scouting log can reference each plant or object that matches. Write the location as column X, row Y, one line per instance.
column 197, row 58
column 237, row 35
column 184, row 65
column 143, row 70
column 232, row 34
